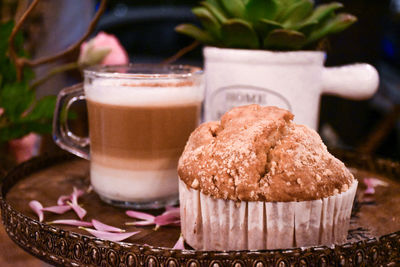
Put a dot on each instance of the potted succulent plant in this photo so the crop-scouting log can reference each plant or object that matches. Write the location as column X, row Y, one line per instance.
column 265, row 52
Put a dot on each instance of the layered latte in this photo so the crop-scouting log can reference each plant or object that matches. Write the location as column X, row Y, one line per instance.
column 138, row 129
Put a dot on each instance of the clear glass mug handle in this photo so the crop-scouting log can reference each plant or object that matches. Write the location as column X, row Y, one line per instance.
column 62, row 135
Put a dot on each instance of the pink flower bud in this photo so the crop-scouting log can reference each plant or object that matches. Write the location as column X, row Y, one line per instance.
column 104, row 49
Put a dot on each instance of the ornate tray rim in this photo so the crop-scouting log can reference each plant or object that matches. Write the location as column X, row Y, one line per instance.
column 61, row 247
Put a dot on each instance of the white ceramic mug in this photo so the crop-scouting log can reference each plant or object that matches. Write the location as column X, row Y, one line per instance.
column 290, row 80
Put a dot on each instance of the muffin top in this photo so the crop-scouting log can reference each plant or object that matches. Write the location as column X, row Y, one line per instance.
column 258, row 154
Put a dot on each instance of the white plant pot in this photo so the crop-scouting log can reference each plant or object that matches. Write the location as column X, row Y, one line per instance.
column 292, row 80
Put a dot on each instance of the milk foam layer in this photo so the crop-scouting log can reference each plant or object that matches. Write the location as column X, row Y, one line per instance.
column 135, row 93
column 133, row 185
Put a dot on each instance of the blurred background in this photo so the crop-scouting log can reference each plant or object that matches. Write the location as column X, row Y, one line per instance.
column 146, row 30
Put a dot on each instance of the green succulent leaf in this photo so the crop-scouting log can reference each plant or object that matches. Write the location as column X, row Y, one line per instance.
column 284, row 39
column 296, row 13
column 16, row 98
column 265, row 26
column 333, row 25
column 215, row 11
column 261, row 9
column 238, row 33
column 283, row 6
column 196, row 33
column 323, row 11
column 270, row 24
column 209, row 22
column 214, row 3
column 318, row 15
column 234, row 8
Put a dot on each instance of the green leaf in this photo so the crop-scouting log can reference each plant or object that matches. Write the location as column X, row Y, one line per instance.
column 5, row 32
column 238, row 33
column 43, row 109
column 333, row 25
column 284, row 5
column 283, row 39
column 296, row 13
column 16, row 98
column 234, row 8
column 13, row 131
column 209, row 22
column 323, row 11
column 7, row 69
column 265, row 26
column 196, row 33
column 261, row 9
column 215, row 11
column 20, row 129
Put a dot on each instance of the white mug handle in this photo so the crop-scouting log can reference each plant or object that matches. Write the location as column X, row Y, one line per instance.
column 356, row 81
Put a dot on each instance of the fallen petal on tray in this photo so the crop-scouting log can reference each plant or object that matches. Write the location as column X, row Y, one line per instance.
column 140, row 215
column 105, row 227
column 169, row 217
column 58, row 209
column 81, row 212
column 371, row 183
column 37, row 207
column 140, row 223
column 62, row 200
column 76, row 193
column 163, row 220
column 171, row 208
column 180, row 243
column 72, row 223
column 116, row 237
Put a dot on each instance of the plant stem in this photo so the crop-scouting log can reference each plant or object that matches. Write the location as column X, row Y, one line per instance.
column 21, row 62
column 181, row 53
column 56, row 70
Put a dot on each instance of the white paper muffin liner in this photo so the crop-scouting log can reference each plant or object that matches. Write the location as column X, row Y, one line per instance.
column 216, row 224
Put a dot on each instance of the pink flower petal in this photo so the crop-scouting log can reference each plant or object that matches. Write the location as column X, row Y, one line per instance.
column 179, row 244
column 116, row 237
column 37, row 207
column 72, row 223
column 369, row 191
column 172, row 213
column 371, row 183
column 170, row 217
column 141, row 223
column 62, row 200
column 170, row 208
column 140, row 215
column 81, row 212
column 105, row 227
column 77, row 192
column 58, row 209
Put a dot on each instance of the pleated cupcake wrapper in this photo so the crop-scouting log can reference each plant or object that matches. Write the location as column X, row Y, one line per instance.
column 215, row 224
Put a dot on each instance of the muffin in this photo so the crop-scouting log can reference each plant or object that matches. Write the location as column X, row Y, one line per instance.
column 256, row 180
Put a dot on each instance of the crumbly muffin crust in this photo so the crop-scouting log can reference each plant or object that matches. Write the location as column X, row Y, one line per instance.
column 258, row 154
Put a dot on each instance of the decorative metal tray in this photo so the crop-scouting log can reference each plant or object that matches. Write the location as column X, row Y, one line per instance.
column 373, row 239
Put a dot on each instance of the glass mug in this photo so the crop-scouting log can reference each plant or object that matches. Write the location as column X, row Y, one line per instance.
column 140, row 117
